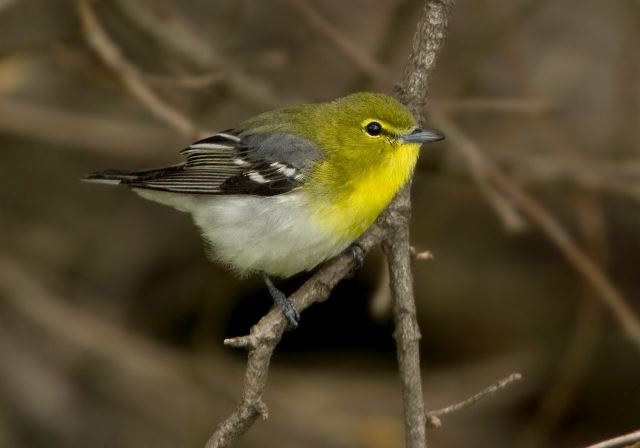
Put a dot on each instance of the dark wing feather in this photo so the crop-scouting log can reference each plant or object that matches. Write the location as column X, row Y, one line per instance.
column 229, row 163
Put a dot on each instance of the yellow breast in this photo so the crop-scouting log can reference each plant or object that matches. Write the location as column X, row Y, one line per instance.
column 352, row 203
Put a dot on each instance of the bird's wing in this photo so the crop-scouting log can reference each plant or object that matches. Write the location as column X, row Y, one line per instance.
column 229, row 163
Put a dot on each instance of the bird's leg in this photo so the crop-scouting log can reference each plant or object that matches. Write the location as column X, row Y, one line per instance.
column 357, row 252
column 282, row 302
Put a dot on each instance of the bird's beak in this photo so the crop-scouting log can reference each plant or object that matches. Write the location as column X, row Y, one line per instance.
column 422, row 135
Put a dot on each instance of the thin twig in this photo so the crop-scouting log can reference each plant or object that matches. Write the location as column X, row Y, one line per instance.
column 420, row 254
column 381, row 303
column 619, row 442
column 577, row 257
column 433, row 417
column 111, row 55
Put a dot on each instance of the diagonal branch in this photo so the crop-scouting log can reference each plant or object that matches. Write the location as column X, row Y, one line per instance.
column 433, row 417
column 266, row 334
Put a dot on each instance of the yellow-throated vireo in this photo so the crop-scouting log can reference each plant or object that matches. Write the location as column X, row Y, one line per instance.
column 292, row 187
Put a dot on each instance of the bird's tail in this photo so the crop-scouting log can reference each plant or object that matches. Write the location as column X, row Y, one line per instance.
column 138, row 181
column 117, row 177
column 110, row 177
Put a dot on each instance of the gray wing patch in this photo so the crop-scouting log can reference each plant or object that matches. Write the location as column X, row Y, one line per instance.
column 227, row 163
column 294, row 151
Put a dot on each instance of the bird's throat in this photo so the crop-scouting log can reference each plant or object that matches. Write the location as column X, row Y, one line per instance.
column 348, row 209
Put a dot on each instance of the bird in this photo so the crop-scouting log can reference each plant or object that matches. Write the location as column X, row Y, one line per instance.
column 289, row 188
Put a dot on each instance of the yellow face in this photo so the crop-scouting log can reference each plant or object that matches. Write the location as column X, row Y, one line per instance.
column 371, row 144
column 364, row 128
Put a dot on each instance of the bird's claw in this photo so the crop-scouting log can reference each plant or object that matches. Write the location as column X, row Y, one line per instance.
column 287, row 308
column 357, row 252
column 291, row 313
column 282, row 302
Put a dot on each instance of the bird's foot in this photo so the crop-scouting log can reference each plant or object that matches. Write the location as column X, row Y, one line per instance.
column 282, row 302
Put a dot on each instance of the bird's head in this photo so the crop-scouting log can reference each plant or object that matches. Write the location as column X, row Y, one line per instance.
column 369, row 125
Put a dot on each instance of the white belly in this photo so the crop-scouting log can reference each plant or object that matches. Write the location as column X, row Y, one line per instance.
column 275, row 234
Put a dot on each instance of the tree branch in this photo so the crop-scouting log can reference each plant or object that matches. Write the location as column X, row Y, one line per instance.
column 412, row 91
column 427, row 42
column 433, row 417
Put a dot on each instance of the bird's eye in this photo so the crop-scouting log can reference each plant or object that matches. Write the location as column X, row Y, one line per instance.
column 373, row 128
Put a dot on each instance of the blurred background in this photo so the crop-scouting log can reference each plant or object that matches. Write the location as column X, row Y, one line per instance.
column 112, row 320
